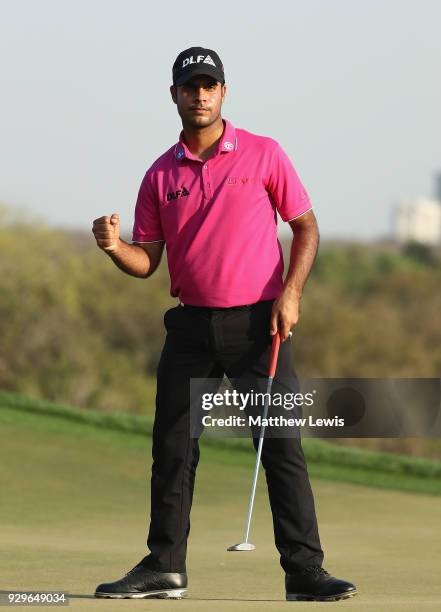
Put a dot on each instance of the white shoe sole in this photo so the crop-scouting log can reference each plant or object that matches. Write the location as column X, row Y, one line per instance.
column 163, row 594
column 304, row 597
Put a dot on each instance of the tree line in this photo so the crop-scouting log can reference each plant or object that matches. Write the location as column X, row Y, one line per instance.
column 77, row 330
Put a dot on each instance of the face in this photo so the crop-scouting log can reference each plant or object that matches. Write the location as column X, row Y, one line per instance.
column 199, row 101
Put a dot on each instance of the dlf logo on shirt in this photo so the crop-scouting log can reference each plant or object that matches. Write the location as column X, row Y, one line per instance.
column 199, row 58
column 179, row 193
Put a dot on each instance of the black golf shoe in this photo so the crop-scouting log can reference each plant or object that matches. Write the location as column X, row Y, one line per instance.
column 141, row 582
column 314, row 583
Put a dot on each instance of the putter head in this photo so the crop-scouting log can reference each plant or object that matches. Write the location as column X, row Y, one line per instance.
column 241, row 547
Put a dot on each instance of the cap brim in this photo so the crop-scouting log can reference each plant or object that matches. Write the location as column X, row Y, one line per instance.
column 200, row 70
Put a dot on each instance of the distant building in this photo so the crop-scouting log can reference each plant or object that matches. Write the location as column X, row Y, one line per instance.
column 418, row 219
column 438, row 186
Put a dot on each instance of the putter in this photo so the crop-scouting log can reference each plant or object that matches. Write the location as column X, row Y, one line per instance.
column 245, row 545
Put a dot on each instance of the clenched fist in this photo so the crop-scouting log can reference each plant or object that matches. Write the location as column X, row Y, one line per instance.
column 106, row 232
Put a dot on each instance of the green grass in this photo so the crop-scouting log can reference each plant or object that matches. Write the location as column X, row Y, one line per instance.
column 327, row 461
column 75, row 512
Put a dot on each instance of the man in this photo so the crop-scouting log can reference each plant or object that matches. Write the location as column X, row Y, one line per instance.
column 212, row 199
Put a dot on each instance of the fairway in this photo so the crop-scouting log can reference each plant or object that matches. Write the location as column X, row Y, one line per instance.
column 75, row 508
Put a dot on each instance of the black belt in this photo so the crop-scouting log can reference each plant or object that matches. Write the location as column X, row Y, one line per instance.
column 215, row 308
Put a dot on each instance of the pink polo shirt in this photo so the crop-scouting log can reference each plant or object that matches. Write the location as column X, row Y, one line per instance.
column 218, row 218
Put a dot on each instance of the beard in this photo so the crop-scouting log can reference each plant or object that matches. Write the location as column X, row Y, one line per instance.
column 199, row 121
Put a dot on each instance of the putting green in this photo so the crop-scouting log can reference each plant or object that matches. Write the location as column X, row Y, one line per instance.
column 75, row 507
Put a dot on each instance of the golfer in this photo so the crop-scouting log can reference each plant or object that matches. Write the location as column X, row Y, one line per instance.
column 212, row 200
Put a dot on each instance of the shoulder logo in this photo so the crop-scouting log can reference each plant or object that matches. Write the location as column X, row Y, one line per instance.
column 179, row 193
column 228, row 145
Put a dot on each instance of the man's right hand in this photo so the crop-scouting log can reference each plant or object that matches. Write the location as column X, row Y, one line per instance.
column 106, row 232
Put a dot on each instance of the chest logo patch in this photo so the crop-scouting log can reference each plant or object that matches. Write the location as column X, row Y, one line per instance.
column 179, row 193
column 231, row 181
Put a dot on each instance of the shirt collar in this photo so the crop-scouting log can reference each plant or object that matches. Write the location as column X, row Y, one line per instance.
column 227, row 143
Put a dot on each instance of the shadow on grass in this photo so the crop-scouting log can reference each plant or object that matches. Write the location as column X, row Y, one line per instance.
column 188, row 598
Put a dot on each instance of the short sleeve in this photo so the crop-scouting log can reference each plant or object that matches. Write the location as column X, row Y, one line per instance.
column 147, row 223
column 284, row 185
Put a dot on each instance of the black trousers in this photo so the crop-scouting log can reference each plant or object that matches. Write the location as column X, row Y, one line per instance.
column 208, row 343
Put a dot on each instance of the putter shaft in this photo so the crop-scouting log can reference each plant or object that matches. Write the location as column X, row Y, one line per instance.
column 258, row 456
column 245, row 545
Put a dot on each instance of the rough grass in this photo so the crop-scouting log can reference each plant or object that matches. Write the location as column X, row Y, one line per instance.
column 325, row 460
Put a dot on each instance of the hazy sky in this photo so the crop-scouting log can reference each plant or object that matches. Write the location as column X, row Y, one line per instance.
column 351, row 90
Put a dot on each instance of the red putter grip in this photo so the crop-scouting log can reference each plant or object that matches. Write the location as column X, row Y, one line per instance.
column 274, row 354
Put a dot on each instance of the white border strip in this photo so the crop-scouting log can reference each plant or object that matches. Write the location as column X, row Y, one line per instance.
column 146, row 241
column 301, row 214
